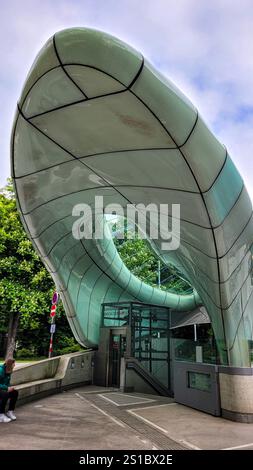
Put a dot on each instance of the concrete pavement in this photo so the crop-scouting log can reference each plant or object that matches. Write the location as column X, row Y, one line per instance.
column 64, row 421
column 89, row 417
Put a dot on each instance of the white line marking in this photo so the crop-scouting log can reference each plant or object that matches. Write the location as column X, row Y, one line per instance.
column 109, row 416
column 154, row 406
column 148, row 422
column 94, row 391
column 122, row 404
column 192, row 446
column 188, row 444
column 132, row 396
column 108, row 399
column 101, row 411
column 239, row 447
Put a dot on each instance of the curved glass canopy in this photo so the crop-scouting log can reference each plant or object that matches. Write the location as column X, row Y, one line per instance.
column 96, row 119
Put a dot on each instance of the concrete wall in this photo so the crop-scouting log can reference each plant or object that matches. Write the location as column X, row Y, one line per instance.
column 202, row 395
column 236, row 393
column 38, row 371
column 53, row 375
column 231, row 390
column 135, row 383
column 76, row 369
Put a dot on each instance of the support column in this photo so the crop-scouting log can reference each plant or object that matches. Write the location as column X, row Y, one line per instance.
column 236, row 393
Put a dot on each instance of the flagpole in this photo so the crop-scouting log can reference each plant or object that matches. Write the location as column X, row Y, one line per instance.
column 55, row 299
column 51, row 338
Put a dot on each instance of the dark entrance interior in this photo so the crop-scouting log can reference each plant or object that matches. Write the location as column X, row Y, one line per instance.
column 117, row 349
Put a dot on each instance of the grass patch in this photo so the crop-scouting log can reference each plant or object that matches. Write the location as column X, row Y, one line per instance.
column 26, row 359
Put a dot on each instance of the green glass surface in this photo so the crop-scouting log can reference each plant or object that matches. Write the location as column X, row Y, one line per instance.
column 90, row 126
column 237, row 218
column 161, row 95
column 44, row 61
column 93, row 82
column 37, row 151
column 224, row 193
column 205, row 155
column 102, row 51
column 141, row 142
column 50, row 91
column 136, row 166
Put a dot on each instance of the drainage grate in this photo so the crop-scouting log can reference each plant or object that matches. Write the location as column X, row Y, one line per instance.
column 158, row 438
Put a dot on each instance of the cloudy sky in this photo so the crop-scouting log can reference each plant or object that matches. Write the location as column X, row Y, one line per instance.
column 205, row 47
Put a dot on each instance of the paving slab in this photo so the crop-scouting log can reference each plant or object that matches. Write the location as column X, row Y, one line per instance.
column 91, row 417
column 62, row 422
column 195, row 429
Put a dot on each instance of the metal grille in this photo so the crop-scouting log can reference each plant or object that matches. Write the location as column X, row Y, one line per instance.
column 158, row 438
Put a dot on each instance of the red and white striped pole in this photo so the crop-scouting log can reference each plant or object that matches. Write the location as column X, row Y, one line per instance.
column 50, row 346
column 52, row 327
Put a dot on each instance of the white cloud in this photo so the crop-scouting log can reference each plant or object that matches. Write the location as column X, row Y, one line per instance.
column 205, row 47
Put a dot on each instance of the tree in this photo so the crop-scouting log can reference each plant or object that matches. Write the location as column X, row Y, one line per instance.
column 26, row 287
column 12, row 334
column 141, row 260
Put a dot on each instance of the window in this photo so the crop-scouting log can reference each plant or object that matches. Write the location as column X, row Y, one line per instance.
column 199, row 381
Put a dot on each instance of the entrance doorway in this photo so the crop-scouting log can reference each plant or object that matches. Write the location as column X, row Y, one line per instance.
column 148, row 340
column 117, row 349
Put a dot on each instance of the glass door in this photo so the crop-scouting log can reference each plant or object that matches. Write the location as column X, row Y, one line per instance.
column 117, row 349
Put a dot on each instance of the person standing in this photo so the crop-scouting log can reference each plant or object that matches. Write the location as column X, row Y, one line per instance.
column 7, row 392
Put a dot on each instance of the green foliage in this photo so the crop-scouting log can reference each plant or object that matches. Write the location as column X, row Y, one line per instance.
column 139, row 259
column 66, row 344
column 143, row 263
column 23, row 352
column 26, row 287
column 70, row 349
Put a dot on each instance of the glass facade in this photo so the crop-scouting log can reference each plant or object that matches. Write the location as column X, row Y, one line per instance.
column 195, row 343
column 150, row 334
column 151, row 340
column 96, row 119
column 154, row 344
